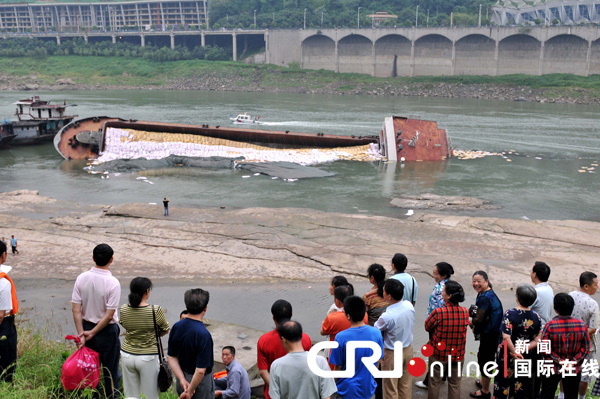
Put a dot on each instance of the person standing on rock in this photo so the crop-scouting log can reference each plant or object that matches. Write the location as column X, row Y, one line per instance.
column 13, row 244
column 166, row 205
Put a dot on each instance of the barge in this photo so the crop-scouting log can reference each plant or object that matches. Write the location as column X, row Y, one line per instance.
column 38, row 120
column 6, row 133
column 400, row 139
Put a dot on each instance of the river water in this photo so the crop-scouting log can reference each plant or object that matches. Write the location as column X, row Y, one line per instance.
column 552, row 142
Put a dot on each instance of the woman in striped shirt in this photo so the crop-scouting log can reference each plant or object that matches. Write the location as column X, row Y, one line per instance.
column 139, row 351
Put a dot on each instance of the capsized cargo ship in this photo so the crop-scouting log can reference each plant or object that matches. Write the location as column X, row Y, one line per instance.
column 107, row 138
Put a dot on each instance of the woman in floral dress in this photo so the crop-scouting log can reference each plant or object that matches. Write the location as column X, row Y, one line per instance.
column 520, row 328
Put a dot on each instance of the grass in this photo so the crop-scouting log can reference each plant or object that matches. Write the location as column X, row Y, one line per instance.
column 135, row 72
column 39, row 364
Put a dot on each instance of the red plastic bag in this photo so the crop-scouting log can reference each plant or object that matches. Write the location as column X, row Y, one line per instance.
column 82, row 369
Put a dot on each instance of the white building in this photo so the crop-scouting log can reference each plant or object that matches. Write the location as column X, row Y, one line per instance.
column 545, row 12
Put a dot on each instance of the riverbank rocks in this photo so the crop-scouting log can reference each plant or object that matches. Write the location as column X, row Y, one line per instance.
column 67, row 81
column 440, row 203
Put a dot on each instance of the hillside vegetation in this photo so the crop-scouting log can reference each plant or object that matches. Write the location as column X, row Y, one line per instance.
column 98, row 73
column 336, row 13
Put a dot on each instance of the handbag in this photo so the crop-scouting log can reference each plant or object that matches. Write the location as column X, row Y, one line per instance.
column 82, row 369
column 165, row 375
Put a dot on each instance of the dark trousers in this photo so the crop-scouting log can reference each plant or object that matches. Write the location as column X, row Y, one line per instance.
column 570, row 386
column 8, row 348
column 108, row 346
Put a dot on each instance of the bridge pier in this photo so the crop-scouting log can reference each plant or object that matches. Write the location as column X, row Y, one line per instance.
column 453, row 66
column 85, row 38
column 496, row 58
column 172, row 41
column 337, row 58
column 142, row 41
column 588, row 58
column 541, row 62
column 58, row 39
column 374, row 59
column 267, row 49
column 234, row 41
column 412, row 57
column 114, row 38
column 202, row 39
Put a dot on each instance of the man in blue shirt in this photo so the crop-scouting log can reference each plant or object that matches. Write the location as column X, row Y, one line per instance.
column 236, row 385
column 411, row 288
column 13, row 244
column 190, row 352
column 362, row 385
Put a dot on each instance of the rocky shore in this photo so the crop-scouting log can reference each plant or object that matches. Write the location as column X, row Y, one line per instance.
column 262, row 79
column 269, row 245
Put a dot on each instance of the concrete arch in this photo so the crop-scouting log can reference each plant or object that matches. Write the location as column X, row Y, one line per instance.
column 595, row 58
column 318, row 52
column 475, row 55
column 355, row 54
column 556, row 34
column 392, row 56
column 433, row 56
column 565, row 54
column 519, row 54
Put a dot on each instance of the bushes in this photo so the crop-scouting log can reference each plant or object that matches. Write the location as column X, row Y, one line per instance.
column 34, row 48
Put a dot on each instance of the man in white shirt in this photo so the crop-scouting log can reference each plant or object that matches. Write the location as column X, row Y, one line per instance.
column 587, row 309
column 543, row 304
column 396, row 324
column 95, row 299
column 8, row 331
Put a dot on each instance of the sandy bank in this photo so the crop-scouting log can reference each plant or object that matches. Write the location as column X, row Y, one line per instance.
column 258, row 244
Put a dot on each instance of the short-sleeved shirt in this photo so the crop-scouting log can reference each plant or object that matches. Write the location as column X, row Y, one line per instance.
column 166, row 203
column 140, row 338
column 192, row 345
column 291, row 378
column 97, row 291
column 411, row 288
column 488, row 301
column 269, row 349
column 362, row 385
column 336, row 322
column 448, row 324
column 13, row 242
column 397, row 324
column 520, row 324
column 587, row 309
column 544, row 303
column 5, row 296
column 436, row 300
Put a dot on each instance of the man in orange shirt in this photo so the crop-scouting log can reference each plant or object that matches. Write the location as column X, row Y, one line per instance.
column 336, row 322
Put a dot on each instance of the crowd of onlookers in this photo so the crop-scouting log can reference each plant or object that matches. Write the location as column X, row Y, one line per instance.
column 527, row 350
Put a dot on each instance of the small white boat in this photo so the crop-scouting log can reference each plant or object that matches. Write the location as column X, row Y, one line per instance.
column 245, row 119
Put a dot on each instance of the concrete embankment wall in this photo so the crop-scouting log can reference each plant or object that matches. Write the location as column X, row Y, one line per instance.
column 440, row 51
